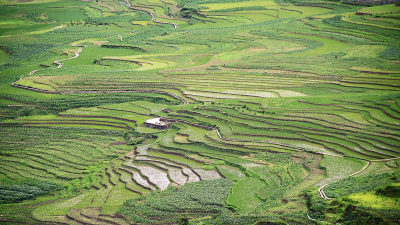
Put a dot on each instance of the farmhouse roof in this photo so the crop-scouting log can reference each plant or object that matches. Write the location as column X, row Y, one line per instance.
column 155, row 121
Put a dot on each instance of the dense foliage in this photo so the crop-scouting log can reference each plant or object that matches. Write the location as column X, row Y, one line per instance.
column 25, row 190
column 360, row 184
column 193, row 200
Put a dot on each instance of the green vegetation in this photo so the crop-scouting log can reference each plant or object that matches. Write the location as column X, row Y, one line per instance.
column 360, row 184
column 25, row 190
column 192, row 200
column 272, row 112
column 392, row 190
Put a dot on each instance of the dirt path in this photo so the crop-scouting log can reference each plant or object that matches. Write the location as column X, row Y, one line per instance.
column 364, row 168
column 322, row 193
column 321, row 189
column 384, row 160
column 57, row 62
column 320, row 221
column 59, row 65
column 128, row 3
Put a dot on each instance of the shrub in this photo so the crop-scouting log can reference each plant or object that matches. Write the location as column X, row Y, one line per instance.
column 354, row 215
column 390, row 191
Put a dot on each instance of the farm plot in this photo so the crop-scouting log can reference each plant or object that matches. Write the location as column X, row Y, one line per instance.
column 274, row 108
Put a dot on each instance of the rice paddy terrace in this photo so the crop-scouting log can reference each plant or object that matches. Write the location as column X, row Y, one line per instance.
column 278, row 112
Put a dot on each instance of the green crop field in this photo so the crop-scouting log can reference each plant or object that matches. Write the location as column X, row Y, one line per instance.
column 199, row 112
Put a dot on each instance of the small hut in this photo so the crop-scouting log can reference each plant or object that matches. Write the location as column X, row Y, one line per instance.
column 157, row 123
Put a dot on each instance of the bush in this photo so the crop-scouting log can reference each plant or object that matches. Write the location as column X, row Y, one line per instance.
column 354, row 216
column 390, row 191
column 316, row 205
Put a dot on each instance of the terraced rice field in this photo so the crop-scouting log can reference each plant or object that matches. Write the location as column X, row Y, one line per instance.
column 272, row 112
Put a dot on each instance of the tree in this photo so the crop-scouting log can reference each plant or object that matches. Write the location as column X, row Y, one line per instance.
column 183, row 221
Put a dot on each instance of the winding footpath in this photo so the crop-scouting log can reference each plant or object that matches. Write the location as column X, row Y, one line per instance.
column 57, row 62
column 77, row 53
column 129, row 5
column 321, row 189
column 322, row 193
column 59, row 65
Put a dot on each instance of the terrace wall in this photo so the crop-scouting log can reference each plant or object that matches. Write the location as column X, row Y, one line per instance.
column 370, row 2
